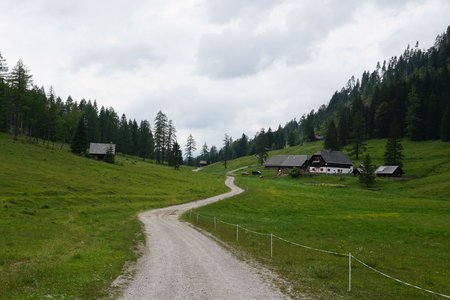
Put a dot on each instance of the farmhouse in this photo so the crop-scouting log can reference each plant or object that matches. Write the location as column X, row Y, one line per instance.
column 389, row 171
column 280, row 162
column 330, row 162
column 98, row 150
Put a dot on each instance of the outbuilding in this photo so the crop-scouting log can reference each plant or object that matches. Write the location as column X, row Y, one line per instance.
column 389, row 171
column 283, row 162
column 99, row 150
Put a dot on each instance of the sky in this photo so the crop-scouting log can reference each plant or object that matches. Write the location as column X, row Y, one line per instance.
column 212, row 66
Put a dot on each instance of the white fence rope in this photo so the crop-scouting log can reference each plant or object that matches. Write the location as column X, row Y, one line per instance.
column 311, row 248
column 398, row 280
column 349, row 255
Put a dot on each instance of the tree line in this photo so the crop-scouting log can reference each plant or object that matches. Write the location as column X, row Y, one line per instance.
column 405, row 97
column 39, row 115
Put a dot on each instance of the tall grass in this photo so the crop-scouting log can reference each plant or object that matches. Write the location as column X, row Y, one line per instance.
column 68, row 224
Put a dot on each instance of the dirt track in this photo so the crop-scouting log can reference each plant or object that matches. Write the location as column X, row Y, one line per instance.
column 181, row 263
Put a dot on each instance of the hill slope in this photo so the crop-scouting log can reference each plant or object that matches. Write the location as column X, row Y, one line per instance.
column 68, row 223
column 401, row 227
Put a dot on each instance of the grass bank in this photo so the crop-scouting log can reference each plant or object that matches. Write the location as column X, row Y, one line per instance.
column 68, row 224
column 401, row 228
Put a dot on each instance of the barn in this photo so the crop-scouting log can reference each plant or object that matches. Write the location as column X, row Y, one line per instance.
column 389, row 171
column 99, row 150
column 330, row 162
column 283, row 162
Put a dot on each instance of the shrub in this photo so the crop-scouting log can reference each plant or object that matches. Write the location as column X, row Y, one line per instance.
column 295, row 172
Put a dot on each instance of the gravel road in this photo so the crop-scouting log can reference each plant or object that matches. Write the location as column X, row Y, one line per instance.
column 181, row 263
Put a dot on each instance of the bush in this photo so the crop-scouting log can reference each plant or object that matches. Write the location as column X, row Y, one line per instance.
column 295, row 172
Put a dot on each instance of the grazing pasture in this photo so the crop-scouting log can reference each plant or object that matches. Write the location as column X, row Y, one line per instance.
column 68, row 224
column 400, row 227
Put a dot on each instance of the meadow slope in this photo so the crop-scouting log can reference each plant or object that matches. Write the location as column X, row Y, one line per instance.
column 68, row 224
column 401, row 227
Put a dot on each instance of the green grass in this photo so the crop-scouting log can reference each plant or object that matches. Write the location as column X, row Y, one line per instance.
column 68, row 224
column 402, row 227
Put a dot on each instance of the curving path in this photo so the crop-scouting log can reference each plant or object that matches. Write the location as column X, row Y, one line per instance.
column 181, row 263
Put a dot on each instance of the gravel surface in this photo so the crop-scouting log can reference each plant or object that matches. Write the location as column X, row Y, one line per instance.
column 181, row 263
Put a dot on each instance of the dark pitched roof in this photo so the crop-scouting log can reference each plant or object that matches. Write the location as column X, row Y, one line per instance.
column 387, row 170
column 275, row 161
column 332, row 156
column 294, row 161
column 286, row 161
column 100, row 148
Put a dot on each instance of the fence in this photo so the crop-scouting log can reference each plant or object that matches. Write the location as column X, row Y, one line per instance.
column 348, row 255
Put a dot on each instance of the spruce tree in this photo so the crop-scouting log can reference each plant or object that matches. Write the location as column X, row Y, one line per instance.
column 414, row 119
column 19, row 81
column 367, row 176
column 331, row 137
column 261, row 150
column 226, row 150
column 358, row 145
column 445, row 125
column 109, row 156
column 79, row 142
column 189, row 150
column 393, row 154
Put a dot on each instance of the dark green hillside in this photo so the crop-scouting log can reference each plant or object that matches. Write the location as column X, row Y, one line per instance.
column 402, row 227
column 68, row 223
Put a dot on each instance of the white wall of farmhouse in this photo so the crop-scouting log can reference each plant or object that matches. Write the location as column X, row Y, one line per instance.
column 330, row 170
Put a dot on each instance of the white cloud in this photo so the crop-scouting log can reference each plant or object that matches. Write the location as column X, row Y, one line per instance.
column 212, row 66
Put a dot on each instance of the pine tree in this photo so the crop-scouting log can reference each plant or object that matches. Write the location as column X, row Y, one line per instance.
column 5, row 103
column 19, row 81
column 261, row 150
column 331, row 137
column 145, row 140
column 109, row 156
column 226, row 150
column 205, row 152
column 79, row 143
column 189, row 150
column 357, row 134
column 414, row 120
column 367, row 176
column 393, row 154
column 343, row 127
column 176, row 157
column 160, row 136
column 445, row 125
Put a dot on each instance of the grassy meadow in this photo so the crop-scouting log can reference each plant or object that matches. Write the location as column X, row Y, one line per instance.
column 68, row 224
column 400, row 227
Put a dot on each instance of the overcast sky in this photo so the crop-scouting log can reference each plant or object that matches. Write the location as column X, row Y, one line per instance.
column 212, row 66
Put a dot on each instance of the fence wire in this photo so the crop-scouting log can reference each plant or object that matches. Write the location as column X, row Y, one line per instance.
column 348, row 255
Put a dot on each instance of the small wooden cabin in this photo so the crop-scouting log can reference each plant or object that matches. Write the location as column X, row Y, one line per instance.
column 99, row 150
column 389, row 171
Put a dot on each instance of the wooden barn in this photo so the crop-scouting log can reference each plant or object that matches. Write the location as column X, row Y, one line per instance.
column 98, row 150
column 330, row 162
column 283, row 162
column 389, row 171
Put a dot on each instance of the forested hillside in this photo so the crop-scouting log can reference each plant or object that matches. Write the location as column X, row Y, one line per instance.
column 406, row 96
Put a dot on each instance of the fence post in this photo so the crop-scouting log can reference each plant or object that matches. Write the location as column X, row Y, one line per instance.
column 349, row 272
column 237, row 232
column 197, row 218
column 190, row 213
column 271, row 245
column 215, row 224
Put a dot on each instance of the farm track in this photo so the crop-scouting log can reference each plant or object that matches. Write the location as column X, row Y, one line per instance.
column 181, row 263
